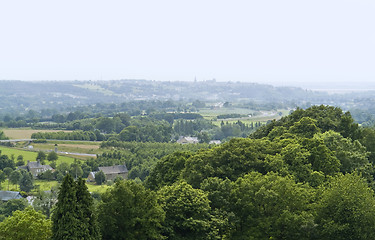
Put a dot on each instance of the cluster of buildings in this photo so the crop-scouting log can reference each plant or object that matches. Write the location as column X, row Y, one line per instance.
column 36, row 168
column 193, row 140
column 111, row 173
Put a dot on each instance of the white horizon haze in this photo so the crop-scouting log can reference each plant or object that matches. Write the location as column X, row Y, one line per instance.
column 311, row 44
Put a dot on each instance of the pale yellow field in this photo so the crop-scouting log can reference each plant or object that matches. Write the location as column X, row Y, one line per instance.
column 21, row 133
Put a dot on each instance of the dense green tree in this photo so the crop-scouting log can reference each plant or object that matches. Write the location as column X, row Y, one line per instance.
column 100, row 177
column 223, row 218
column 52, row 156
column 167, row 170
column 65, row 218
column 26, row 181
column 351, row 154
column 305, row 127
column 20, row 161
column 229, row 160
column 368, row 141
column 323, row 117
column 187, row 212
column 8, row 171
column 129, row 134
column 271, row 207
column 47, row 175
column 26, row 225
column 198, row 104
column 8, row 207
column 76, row 169
column 204, row 137
column 129, row 211
column 5, row 162
column 106, row 125
column 2, row 135
column 15, row 177
column 41, row 156
column 89, row 228
column 321, row 158
column 44, row 202
column 63, row 168
column 346, row 209
column 2, row 177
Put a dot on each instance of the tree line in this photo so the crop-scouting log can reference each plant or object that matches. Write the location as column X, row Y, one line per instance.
column 308, row 176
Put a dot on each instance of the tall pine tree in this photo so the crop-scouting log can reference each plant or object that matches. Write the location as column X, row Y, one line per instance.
column 74, row 216
column 65, row 219
column 88, row 219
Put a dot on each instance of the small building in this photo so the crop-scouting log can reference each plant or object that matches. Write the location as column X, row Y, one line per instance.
column 9, row 195
column 215, row 142
column 110, row 172
column 36, row 168
column 185, row 140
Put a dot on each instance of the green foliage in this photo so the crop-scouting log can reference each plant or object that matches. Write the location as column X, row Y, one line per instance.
column 2, row 136
column 15, row 177
column 2, row 177
column 20, row 161
column 27, row 225
column 232, row 115
column 75, row 135
column 129, row 211
column 41, row 156
column 5, row 162
column 146, row 131
column 187, row 212
column 26, row 181
column 346, row 209
column 229, row 160
column 140, row 158
column 8, row 171
column 65, row 217
column 368, row 141
column 73, row 217
column 45, row 201
column 321, row 157
column 198, row 104
column 305, row 127
column 52, row 156
column 351, row 154
column 100, row 178
column 168, row 170
column 8, row 207
column 89, row 228
column 47, row 175
column 271, row 207
column 324, row 118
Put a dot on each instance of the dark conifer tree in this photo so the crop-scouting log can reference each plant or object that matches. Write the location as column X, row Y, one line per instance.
column 87, row 217
column 26, row 182
column 65, row 219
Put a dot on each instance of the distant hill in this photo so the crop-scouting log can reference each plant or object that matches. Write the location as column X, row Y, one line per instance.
column 54, row 94
column 50, row 97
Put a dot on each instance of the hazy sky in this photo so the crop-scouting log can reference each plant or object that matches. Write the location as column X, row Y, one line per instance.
column 280, row 42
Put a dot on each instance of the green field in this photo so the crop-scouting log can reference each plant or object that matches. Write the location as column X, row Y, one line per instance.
column 70, row 146
column 210, row 114
column 42, row 185
column 262, row 116
column 29, row 155
column 47, row 185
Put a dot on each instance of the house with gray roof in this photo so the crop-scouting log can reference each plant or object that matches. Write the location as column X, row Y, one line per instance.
column 186, row 140
column 36, row 168
column 9, row 195
column 110, row 172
